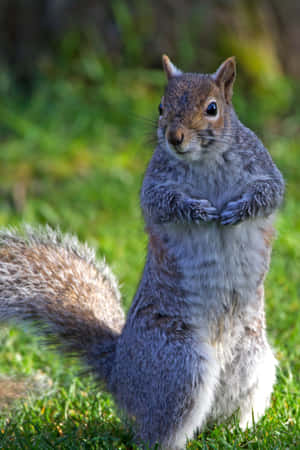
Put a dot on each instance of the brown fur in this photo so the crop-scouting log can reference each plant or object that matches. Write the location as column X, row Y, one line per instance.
column 184, row 103
column 269, row 236
column 160, row 250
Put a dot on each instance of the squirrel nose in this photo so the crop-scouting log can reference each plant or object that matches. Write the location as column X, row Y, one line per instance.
column 175, row 137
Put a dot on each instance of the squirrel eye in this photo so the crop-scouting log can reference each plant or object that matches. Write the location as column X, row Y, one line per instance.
column 160, row 109
column 212, row 109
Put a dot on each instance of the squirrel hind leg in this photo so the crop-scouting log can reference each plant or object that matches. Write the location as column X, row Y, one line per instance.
column 258, row 400
column 195, row 408
column 176, row 381
column 201, row 403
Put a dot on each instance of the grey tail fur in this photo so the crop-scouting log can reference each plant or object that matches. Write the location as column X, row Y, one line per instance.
column 56, row 282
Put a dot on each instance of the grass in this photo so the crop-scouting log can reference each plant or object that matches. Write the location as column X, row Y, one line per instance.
column 73, row 154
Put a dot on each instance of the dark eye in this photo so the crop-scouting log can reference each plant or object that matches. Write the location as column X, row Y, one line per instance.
column 212, row 109
column 160, row 109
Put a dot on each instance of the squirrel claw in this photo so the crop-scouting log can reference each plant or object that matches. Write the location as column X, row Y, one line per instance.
column 230, row 221
column 203, row 211
column 211, row 214
column 234, row 213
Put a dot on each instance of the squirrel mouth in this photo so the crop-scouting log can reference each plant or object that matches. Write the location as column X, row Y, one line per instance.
column 202, row 146
column 181, row 151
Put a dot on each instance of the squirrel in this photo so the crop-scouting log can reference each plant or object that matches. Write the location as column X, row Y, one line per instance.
column 193, row 350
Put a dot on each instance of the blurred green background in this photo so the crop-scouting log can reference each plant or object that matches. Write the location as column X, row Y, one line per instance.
column 80, row 83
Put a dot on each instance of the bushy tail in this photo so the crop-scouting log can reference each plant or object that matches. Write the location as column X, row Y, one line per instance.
column 55, row 281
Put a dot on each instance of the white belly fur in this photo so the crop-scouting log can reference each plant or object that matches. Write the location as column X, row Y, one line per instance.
column 215, row 260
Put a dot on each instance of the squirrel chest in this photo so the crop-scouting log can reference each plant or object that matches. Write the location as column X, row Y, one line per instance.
column 213, row 259
column 216, row 263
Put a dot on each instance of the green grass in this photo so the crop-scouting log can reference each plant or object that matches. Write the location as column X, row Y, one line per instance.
column 73, row 155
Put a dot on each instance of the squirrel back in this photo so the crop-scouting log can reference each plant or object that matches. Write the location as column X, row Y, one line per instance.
column 54, row 280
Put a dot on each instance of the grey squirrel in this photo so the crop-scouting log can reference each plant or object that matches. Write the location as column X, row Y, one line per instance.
column 193, row 349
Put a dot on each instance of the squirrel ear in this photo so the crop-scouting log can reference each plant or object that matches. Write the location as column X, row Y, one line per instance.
column 225, row 76
column 169, row 68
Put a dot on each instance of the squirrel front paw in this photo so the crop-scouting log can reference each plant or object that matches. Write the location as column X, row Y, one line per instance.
column 235, row 212
column 202, row 211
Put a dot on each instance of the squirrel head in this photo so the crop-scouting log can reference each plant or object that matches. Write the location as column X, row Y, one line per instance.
column 195, row 110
